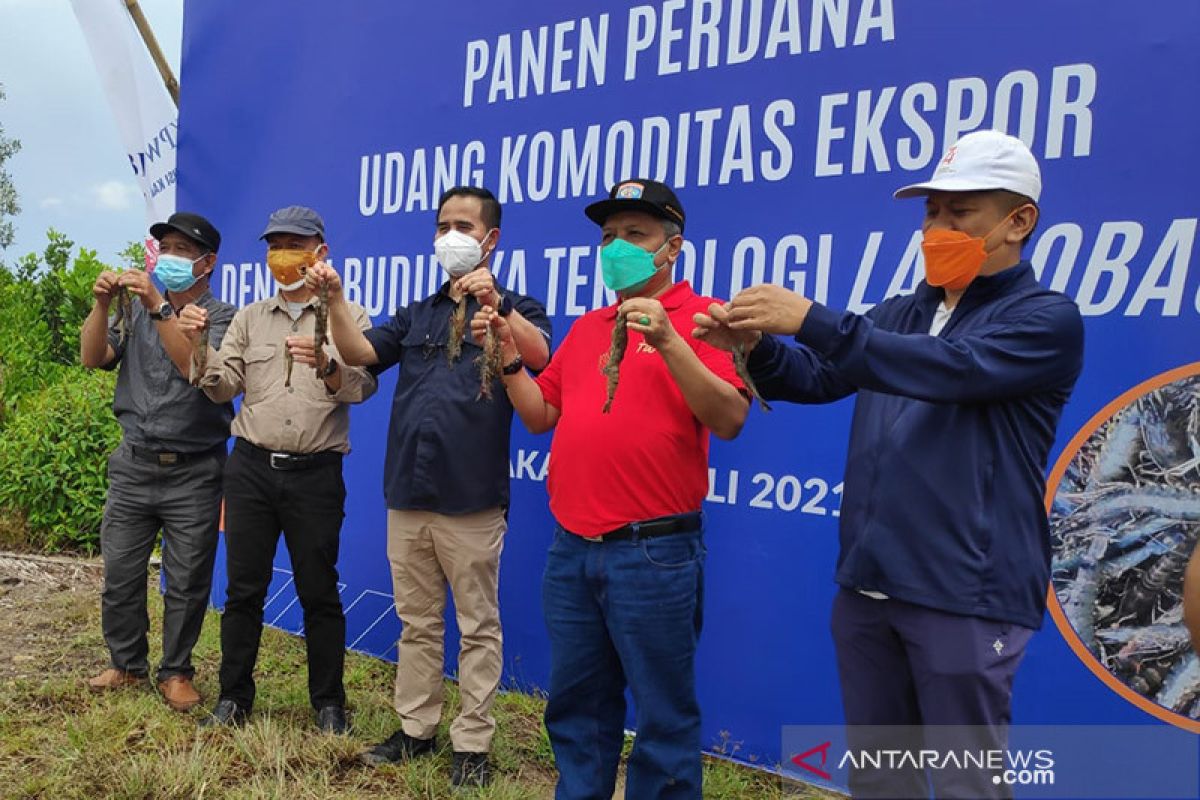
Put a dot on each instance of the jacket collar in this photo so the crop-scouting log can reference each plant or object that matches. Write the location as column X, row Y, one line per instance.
column 982, row 288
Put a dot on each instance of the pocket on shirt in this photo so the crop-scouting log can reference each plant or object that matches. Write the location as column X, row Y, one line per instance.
column 265, row 367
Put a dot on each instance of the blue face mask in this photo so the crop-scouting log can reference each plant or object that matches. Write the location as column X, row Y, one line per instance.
column 626, row 267
column 175, row 272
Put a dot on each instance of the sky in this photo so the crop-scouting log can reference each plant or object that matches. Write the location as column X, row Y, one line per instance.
column 71, row 173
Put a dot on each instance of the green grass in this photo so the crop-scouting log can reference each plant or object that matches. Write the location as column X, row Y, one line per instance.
column 57, row 740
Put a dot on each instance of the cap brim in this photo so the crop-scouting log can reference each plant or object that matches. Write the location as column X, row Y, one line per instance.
column 296, row 229
column 160, row 229
column 601, row 210
column 945, row 185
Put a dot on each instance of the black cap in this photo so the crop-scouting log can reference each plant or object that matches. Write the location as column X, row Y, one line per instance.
column 295, row 219
column 193, row 226
column 638, row 194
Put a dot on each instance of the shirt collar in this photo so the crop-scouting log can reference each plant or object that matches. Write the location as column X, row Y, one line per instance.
column 443, row 293
column 672, row 299
column 278, row 303
column 204, row 300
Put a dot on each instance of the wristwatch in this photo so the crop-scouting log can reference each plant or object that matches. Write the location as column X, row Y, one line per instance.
column 514, row 366
column 165, row 311
column 330, row 368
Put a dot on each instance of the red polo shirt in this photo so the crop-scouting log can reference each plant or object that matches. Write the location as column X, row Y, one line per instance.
column 647, row 457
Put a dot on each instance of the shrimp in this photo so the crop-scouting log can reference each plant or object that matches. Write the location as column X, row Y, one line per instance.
column 743, row 372
column 612, row 367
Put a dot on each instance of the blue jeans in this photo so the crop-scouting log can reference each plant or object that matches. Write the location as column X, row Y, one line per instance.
column 624, row 613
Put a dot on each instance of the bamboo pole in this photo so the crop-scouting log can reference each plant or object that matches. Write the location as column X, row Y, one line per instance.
column 160, row 61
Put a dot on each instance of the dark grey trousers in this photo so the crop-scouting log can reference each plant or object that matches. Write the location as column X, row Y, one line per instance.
column 184, row 502
column 914, row 679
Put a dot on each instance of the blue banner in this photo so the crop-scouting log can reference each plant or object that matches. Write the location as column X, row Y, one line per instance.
column 785, row 125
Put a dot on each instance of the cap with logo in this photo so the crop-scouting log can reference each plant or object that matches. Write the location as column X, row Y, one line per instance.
column 300, row 220
column 983, row 161
column 193, row 226
column 638, row 194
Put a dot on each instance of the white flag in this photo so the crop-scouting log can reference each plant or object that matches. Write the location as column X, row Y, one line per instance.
column 146, row 115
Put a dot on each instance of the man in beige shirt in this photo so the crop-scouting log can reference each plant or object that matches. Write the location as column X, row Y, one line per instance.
column 285, row 472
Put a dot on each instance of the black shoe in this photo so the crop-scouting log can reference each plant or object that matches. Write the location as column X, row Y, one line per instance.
column 470, row 770
column 332, row 719
column 398, row 747
column 227, row 712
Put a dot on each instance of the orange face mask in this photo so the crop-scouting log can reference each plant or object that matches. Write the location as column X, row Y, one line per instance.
column 953, row 258
column 289, row 266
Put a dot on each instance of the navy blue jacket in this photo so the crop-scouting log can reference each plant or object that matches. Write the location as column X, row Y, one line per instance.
column 943, row 501
column 447, row 448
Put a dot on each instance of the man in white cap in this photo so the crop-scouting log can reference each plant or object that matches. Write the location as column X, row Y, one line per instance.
column 945, row 553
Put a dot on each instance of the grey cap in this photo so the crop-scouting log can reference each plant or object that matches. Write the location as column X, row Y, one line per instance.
column 295, row 219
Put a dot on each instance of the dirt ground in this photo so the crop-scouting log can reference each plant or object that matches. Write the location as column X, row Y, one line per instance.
column 35, row 595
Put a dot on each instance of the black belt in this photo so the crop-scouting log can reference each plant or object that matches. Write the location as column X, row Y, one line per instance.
column 169, row 459
column 287, row 461
column 648, row 529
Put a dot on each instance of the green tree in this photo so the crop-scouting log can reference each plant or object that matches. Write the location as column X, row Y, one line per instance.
column 133, row 256
column 9, row 207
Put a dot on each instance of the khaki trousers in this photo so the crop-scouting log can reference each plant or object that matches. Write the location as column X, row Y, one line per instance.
column 427, row 552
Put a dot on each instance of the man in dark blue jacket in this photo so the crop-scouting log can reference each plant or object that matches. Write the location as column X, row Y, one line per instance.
column 944, row 561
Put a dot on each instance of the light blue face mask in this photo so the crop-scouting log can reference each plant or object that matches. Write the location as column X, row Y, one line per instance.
column 625, row 267
column 175, row 272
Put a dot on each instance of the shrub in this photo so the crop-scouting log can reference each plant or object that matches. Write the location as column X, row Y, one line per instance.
column 53, row 453
column 43, row 302
column 56, row 426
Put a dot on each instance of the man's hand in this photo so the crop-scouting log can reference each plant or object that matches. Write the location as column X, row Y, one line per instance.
column 648, row 317
column 713, row 328
column 321, row 274
column 488, row 317
column 768, row 309
column 140, row 284
column 104, row 287
column 303, row 352
column 482, row 284
column 192, row 321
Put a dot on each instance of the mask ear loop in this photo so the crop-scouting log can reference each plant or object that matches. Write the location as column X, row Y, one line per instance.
column 211, row 269
column 669, row 262
column 1007, row 217
column 489, row 253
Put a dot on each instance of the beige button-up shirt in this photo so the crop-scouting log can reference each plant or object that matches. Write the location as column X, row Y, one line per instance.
column 302, row 418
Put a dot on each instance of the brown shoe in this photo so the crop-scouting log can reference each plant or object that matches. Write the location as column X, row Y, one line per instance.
column 113, row 678
column 179, row 693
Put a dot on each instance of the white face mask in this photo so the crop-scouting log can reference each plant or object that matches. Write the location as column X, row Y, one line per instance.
column 457, row 252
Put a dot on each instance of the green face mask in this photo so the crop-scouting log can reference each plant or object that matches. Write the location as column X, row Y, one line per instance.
column 625, row 266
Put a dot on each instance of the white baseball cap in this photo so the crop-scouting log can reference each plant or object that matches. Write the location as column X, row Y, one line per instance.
column 982, row 161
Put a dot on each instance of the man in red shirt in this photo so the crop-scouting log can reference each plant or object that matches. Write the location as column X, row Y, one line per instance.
column 622, row 592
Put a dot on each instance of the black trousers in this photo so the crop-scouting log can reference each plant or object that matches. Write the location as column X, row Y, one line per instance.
column 307, row 506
